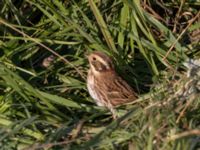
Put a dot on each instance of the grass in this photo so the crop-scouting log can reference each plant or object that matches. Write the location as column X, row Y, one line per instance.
column 44, row 103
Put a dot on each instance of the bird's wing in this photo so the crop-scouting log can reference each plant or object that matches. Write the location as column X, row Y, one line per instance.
column 120, row 92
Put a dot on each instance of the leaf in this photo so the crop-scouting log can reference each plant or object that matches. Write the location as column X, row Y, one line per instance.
column 59, row 100
column 103, row 26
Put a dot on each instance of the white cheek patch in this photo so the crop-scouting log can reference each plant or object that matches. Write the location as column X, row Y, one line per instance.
column 103, row 61
column 94, row 70
column 98, row 66
column 100, row 69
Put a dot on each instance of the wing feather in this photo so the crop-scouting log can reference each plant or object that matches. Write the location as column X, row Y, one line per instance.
column 119, row 92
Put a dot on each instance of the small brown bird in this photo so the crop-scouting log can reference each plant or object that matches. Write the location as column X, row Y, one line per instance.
column 105, row 86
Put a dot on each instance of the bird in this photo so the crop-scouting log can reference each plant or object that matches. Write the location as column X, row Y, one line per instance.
column 104, row 84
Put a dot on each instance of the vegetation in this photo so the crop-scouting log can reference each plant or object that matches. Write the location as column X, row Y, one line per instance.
column 44, row 103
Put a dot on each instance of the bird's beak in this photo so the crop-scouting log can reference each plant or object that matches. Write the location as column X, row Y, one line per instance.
column 86, row 54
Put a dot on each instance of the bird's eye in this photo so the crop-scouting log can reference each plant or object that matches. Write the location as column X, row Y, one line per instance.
column 94, row 58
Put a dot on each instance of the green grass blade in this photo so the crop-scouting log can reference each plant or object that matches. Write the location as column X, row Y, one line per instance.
column 103, row 26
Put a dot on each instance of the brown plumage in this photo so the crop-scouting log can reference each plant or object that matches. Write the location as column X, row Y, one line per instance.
column 105, row 86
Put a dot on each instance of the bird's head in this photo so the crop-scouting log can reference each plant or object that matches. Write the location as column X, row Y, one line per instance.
column 100, row 62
